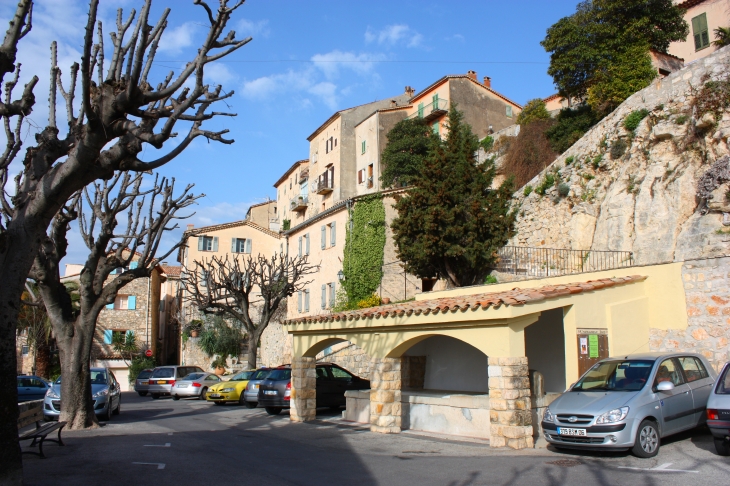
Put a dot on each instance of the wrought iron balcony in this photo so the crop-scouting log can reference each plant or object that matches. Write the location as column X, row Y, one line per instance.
column 432, row 110
column 298, row 203
column 324, row 184
column 549, row 262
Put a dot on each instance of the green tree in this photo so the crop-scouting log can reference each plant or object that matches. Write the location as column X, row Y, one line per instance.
column 451, row 223
column 571, row 124
column 408, row 144
column 630, row 71
column 533, row 110
column 722, row 37
column 600, row 32
column 126, row 345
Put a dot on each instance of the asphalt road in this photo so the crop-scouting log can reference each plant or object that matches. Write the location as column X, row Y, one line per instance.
column 183, row 442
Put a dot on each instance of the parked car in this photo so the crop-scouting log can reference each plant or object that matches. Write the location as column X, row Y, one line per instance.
column 142, row 383
column 631, row 403
column 164, row 377
column 231, row 390
column 105, row 391
column 31, row 388
column 332, row 383
column 251, row 393
column 718, row 412
column 194, row 385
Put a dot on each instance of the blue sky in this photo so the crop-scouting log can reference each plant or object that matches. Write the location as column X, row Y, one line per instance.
column 307, row 60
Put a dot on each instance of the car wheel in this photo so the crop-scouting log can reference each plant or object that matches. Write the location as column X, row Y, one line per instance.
column 175, row 397
column 155, row 396
column 250, row 404
column 118, row 410
column 107, row 417
column 647, row 440
column 142, row 394
column 218, row 403
column 202, row 393
column 273, row 410
column 722, row 447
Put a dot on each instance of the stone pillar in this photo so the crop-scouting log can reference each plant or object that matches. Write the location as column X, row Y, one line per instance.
column 509, row 401
column 303, row 389
column 385, row 395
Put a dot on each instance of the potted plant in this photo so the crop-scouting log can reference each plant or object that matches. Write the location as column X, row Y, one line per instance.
column 193, row 329
column 219, row 365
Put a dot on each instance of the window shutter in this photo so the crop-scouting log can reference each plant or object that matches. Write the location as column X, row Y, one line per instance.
column 324, row 236
column 131, row 302
column 201, row 242
column 300, row 246
column 110, row 306
column 307, row 237
column 233, row 245
column 420, row 110
column 359, row 176
column 332, row 294
column 133, row 265
column 299, row 301
column 324, row 296
column 333, row 240
column 435, row 100
column 215, row 243
column 107, row 336
column 306, row 301
column 248, row 246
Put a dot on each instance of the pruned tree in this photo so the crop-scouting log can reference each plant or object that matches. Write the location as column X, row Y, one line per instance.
column 121, row 110
column 133, row 246
column 247, row 289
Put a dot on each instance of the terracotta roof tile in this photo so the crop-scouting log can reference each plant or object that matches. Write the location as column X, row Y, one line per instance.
column 516, row 296
column 171, row 271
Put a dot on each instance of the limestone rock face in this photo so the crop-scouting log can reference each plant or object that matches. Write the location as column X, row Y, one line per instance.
column 645, row 201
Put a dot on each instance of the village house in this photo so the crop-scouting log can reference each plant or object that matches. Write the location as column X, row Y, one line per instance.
column 703, row 17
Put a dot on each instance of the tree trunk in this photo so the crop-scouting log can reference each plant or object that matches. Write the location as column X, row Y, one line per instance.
column 75, row 353
column 252, row 352
column 43, row 358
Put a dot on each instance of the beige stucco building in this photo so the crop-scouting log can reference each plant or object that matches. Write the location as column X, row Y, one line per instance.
column 703, row 17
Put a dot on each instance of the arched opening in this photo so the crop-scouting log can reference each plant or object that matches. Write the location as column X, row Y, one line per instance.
column 545, row 350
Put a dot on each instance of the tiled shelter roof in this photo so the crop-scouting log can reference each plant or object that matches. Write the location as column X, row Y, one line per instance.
column 171, row 270
column 516, row 296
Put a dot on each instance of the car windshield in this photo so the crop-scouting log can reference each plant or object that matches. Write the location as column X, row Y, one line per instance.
column 260, row 374
column 243, row 375
column 163, row 373
column 279, row 375
column 627, row 375
column 723, row 383
column 144, row 374
column 97, row 378
column 193, row 377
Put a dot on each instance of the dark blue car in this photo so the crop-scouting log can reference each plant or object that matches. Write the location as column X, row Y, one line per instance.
column 31, row 388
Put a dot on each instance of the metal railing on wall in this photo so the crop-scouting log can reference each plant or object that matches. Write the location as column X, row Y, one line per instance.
column 547, row 262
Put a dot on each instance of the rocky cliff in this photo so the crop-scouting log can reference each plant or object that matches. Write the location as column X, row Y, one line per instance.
column 637, row 190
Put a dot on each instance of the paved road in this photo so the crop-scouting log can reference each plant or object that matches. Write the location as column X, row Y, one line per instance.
column 187, row 442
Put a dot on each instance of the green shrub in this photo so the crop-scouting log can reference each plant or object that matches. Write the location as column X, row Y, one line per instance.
column 140, row 363
column 569, row 160
column 713, row 97
column 632, row 120
column 563, row 189
column 547, row 182
column 372, row 301
column 490, row 280
column 588, row 177
column 596, row 162
column 286, row 224
column 527, row 190
column 487, row 143
column 618, row 148
column 681, row 119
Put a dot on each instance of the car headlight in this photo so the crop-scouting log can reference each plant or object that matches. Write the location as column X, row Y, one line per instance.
column 227, row 389
column 548, row 417
column 613, row 416
column 51, row 393
column 101, row 393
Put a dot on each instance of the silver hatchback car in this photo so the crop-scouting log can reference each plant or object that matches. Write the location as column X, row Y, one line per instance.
column 718, row 412
column 631, row 402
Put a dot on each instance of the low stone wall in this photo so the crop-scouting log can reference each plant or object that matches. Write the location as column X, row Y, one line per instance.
column 349, row 356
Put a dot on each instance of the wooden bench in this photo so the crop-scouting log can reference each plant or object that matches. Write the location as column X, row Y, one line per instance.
column 33, row 412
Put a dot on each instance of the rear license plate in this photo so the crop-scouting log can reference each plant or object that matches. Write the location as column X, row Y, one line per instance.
column 269, row 392
column 567, row 431
column 143, row 383
column 183, row 386
column 214, row 395
column 162, row 382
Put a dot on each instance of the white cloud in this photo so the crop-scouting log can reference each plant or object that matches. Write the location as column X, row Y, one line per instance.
column 392, row 35
column 327, row 92
column 217, row 73
column 331, row 62
column 455, row 37
column 246, row 28
column 174, row 40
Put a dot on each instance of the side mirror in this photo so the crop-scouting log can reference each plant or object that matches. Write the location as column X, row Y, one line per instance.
column 665, row 386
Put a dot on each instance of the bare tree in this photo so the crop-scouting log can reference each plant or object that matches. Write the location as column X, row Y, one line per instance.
column 248, row 289
column 120, row 112
column 98, row 210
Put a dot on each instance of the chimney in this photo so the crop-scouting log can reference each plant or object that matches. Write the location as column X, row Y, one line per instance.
column 410, row 91
column 472, row 75
column 190, row 226
column 487, row 81
column 393, row 103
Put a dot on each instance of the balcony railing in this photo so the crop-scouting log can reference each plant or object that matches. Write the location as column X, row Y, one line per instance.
column 550, row 262
column 324, row 184
column 298, row 203
column 432, row 110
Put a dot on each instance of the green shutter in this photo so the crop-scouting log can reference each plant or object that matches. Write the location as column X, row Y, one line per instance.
column 435, row 128
column 324, row 296
column 306, row 301
column 107, row 336
column 420, row 110
column 333, row 239
column 324, row 236
column 131, row 302
column 700, row 32
column 300, row 246
column 332, row 294
column 435, row 102
column 299, row 301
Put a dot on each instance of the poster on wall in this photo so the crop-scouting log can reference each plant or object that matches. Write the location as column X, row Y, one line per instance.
column 583, row 345
column 593, row 346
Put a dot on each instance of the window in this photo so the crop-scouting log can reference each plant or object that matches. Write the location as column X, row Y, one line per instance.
column 362, row 148
column 668, row 371
column 162, row 306
column 508, row 111
column 370, row 176
column 628, row 375
column 124, row 302
column 204, row 278
column 340, row 374
column 207, row 243
column 723, row 383
column 27, row 382
column 435, row 128
column 24, row 350
column 700, row 32
column 361, row 176
column 111, row 335
column 693, row 369
column 240, row 245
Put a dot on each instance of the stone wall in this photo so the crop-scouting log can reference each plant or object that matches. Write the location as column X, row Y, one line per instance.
column 510, row 405
column 276, row 345
column 385, row 396
column 137, row 320
column 349, row 356
column 707, row 290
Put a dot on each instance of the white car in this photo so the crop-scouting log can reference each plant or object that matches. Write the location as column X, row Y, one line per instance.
column 194, row 385
column 718, row 412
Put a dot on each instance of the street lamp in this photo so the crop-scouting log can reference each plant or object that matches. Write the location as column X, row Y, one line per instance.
column 341, row 275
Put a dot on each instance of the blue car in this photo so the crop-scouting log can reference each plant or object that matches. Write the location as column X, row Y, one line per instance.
column 105, row 391
column 31, row 388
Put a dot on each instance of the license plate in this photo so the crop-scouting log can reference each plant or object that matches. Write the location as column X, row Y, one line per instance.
column 567, row 431
column 143, row 383
column 183, row 386
column 269, row 392
column 162, row 382
column 214, row 395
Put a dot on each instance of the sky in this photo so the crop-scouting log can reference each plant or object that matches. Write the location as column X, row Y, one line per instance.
column 307, row 60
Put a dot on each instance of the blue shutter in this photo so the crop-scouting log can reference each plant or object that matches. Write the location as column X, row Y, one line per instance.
column 110, row 306
column 324, row 236
column 133, row 265
column 215, row 243
column 107, row 336
column 299, row 301
column 131, row 302
column 324, row 296
column 333, row 240
column 248, row 246
column 201, row 242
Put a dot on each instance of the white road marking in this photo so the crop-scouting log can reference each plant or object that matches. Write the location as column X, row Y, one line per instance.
column 159, row 465
column 167, row 444
column 661, row 468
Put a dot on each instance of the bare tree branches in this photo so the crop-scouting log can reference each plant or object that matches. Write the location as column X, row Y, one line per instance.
column 248, row 289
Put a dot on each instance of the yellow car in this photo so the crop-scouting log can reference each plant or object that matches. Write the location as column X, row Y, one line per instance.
column 231, row 390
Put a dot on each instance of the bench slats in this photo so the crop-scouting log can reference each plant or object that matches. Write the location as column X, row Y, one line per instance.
column 43, row 430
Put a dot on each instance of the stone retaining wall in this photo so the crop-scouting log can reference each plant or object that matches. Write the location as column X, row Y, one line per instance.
column 510, row 414
column 348, row 356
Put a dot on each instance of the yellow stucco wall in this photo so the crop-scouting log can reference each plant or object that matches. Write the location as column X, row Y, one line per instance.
column 718, row 15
